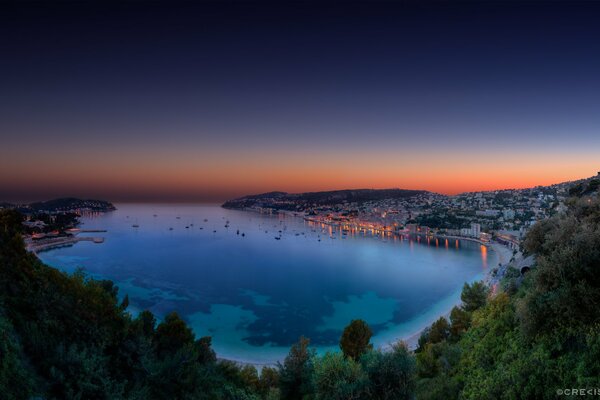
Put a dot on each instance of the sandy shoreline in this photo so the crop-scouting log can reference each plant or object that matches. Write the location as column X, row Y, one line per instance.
column 504, row 255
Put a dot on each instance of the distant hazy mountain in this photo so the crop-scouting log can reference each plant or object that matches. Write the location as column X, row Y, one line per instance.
column 291, row 201
column 301, row 201
column 63, row 205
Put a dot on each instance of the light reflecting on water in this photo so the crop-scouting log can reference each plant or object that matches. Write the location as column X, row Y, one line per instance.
column 484, row 256
column 257, row 282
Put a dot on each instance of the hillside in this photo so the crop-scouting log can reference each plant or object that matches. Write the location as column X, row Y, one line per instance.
column 61, row 205
column 538, row 335
column 303, row 201
column 70, row 204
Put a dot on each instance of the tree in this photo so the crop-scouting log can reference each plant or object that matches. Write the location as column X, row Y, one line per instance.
column 439, row 331
column 338, row 378
column 269, row 380
column 391, row 373
column 172, row 335
column 249, row 376
column 16, row 380
column 147, row 323
column 295, row 374
column 474, row 296
column 355, row 340
column 565, row 283
column 460, row 321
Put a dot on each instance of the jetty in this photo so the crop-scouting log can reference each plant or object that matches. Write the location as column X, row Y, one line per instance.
column 40, row 245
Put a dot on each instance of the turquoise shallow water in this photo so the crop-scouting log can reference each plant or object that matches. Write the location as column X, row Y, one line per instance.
column 255, row 294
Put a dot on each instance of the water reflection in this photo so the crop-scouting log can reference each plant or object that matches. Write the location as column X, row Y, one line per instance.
column 257, row 295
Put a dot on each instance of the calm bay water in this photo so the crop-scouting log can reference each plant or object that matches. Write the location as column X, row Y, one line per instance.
column 256, row 295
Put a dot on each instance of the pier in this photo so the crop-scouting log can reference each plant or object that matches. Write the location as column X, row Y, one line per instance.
column 51, row 243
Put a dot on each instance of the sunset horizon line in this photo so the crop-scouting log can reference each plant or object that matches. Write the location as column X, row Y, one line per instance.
column 217, row 199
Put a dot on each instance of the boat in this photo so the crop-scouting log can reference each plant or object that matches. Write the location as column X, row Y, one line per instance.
column 135, row 225
column 277, row 238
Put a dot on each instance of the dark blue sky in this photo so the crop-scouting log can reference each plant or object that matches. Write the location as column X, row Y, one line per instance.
column 202, row 101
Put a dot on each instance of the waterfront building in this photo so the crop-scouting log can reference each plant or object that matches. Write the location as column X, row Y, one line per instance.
column 475, row 230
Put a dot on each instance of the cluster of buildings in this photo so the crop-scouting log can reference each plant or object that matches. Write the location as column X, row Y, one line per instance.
column 504, row 214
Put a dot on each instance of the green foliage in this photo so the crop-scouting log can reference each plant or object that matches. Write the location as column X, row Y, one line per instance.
column 511, row 280
column 439, row 330
column 16, row 380
column 390, row 374
column 565, row 285
column 474, row 296
column 585, row 188
column 533, row 338
column 460, row 321
column 355, row 340
column 269, row 382
column 172, row 335
column 296, row 372
column 82, row 373
column 338, row 378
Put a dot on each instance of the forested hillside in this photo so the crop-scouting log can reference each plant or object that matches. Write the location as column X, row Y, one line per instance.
column 539, row 335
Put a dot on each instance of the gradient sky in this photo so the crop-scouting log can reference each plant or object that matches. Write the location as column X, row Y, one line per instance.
column 206, row 101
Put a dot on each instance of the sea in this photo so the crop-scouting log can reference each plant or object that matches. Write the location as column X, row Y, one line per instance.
column 258, row 282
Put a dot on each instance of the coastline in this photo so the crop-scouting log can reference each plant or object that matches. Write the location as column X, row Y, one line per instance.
column 504, row 256
column 503, row 253
column 409, row 336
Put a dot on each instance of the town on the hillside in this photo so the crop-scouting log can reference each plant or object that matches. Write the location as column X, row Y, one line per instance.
column 504, row 215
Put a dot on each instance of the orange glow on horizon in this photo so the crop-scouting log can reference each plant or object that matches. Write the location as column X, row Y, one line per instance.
column 221, row 177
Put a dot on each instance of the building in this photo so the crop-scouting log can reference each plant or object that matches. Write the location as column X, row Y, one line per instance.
column 508, row 214
column 412, row 228
column 487, row 213
column 485, row 237
column 475, row 230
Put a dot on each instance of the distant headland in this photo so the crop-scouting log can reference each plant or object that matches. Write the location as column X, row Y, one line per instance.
column 54, row 223
column 62, row 205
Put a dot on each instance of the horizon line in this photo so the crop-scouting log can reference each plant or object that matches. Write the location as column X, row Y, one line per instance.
column 219, row 201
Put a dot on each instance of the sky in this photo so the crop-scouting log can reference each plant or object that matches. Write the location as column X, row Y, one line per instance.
column 192, row 101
